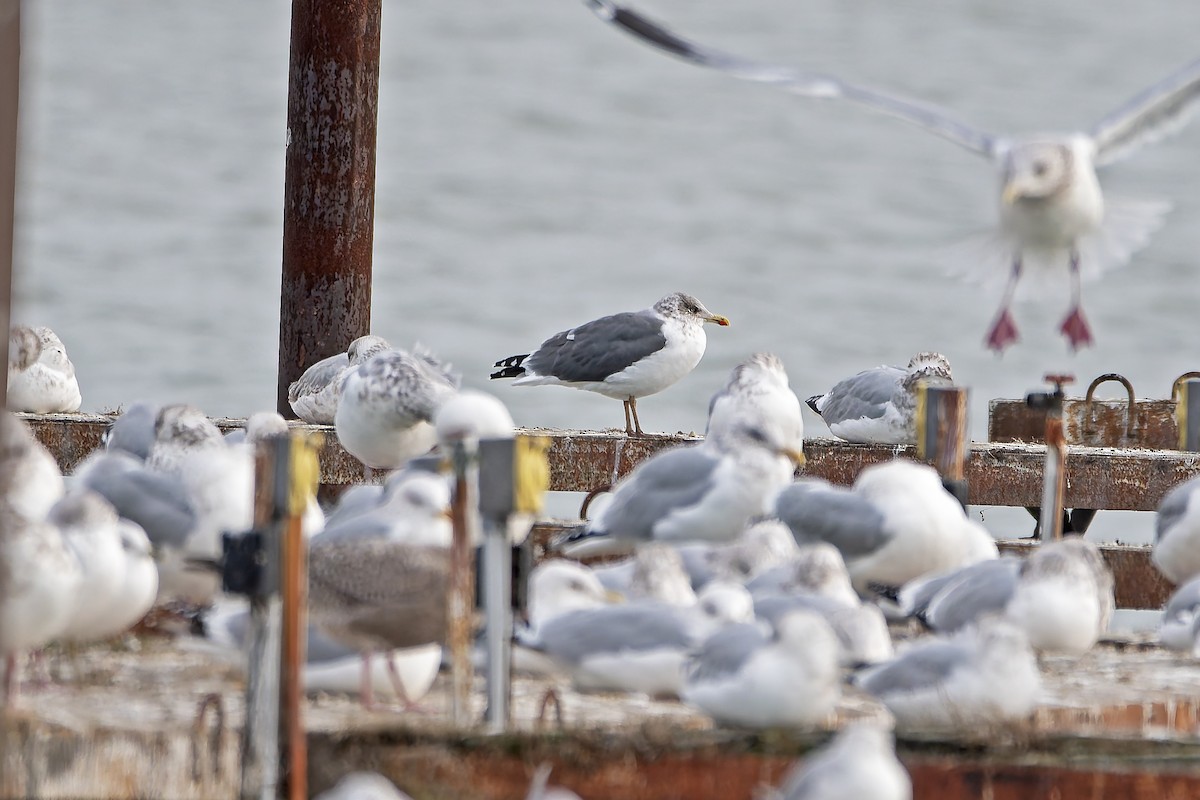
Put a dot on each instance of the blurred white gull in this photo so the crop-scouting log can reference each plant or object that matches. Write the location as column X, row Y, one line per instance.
column 133, row 431
column 41, row 377
column 624, row 356
column 1177, row 533
column 635, row 647
column 329, row 666
column 896, row 524
column 817, row 568
column 33, row 483
column 859, row 764
column 180, row 429
column 314, row 395
column 984, row 676
column 119, row 580
column 1054, row 218
column 742, row 677
column 709, row 492
column 1179, row 619
column 412, row 510
column 363, row 786
column 387, row 405
column 539, row 788
column 880, row 404
column 658, row 575
column 1052, row 596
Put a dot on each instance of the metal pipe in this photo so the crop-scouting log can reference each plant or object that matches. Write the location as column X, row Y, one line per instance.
column 460, row 598
column 497, row 607
column 942, row 434
column 1050, row 514
column 1187, row 414
column 329, row 182
column 10, row 75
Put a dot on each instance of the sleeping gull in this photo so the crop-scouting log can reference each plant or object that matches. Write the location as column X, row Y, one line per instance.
column 314, row 395
column 896, row 524
column 413, row 510
column 740, row 676
column 33, row 483
column 1053, row 215
column 363, row 786
column 983, row 676
column 133, row 430
column 377, row 595
column 385, row 414
column 1061, row 596
column 861, row 629
column 880, row 404
column 41, row 377
column 1177, row 533
column 624, row 356
column 859, row 763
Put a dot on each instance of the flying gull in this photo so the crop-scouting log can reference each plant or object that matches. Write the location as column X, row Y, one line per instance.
column 880, row 405
column 624, row 356
column 1052, row 212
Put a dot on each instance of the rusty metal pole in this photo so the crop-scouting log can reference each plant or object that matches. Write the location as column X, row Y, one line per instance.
column 942, row 434
column 1187, row 414
column 460, row 593
column 1054, row 477
column 10, row 73
column 329, row 182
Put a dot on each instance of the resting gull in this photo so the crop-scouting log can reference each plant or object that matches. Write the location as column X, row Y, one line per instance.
column 41, row 377
column 859, row 764
column 363, row 786
column 133, row 430
column 314, row 395
column 1179, row 620
column 741, row 676
column 385, row 414
column 624, row 356
column 1177, row 533
column 984, row 676
column 1053, row 216
column 880, row 404
column 896, row 523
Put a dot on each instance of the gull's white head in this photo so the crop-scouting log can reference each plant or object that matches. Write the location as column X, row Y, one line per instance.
column 1037, row 171
column 684, row 306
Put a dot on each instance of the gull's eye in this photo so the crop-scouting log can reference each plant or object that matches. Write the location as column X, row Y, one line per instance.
column 1040, row 168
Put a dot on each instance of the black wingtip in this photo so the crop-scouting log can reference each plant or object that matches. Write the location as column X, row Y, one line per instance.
column 510, row 367
column 812, row 402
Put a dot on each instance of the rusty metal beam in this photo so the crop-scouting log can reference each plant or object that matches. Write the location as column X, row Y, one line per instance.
column 329, row 182
column 580, row 461
column 10, row 74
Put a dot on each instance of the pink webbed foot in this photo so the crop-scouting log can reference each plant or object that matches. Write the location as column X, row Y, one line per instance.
column 1003, row 332
column 1076, row 329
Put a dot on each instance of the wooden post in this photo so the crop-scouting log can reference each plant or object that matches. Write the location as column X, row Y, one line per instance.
column 329, row 183
column 942, row 434
column 293, row 755
column 10, row 75
column 460, row 599
column 1187, row 414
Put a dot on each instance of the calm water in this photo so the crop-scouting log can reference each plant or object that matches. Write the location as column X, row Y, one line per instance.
column 537, row 169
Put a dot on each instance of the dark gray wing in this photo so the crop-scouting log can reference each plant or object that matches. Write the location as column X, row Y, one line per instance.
column 673, row 479
column 600, row 348
column 819, row 512
column 1173, row 507
column 574, row 636
column 805, row 84
column 723, row 654
column 979, row 589
column 1185, row 598
column 1148, row 116
column 864, row 395
column 922, row 667
column 155, row 500
column 133, row 431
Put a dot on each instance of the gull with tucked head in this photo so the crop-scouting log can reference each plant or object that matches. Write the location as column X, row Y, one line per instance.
column 1053, row 216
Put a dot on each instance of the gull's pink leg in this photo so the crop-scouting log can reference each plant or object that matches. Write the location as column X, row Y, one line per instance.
column 1075, row 326
column 637, row 424
column 628, row 422
column 12, row 679
column 366, row 690
column 1004, row 330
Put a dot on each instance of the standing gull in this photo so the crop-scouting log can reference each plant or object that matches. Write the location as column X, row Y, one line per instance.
column 880, row 404
column 624, row 356
column 385, row 413
column 1053, row 215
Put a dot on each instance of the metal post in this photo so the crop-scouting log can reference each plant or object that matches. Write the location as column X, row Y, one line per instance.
column 293, row 755
column 1187, row 414
column 329, row 183
column 942, row 434
column 260, row 736
column 497, row 490
column 1050, row 515
column 10, row 74
column 460, row 600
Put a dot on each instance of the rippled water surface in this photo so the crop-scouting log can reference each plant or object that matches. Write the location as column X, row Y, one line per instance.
column 537, row 169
